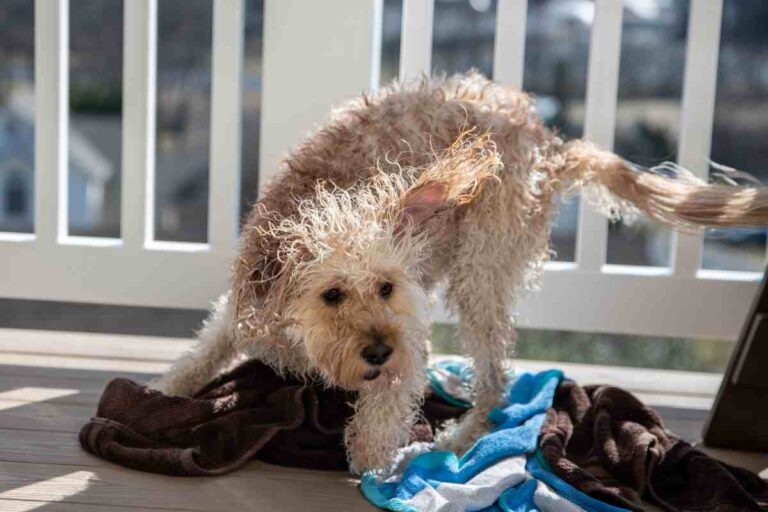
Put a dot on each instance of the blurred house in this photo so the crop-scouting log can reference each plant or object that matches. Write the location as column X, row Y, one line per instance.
column 90, row 170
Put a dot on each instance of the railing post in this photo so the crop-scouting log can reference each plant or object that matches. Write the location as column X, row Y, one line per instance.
column 509, row 47
column 416, row 39
column 316, row 54
column 699, row 86
column 600, row 122
column 51, row 119
column 138, row 161
column 226, row 124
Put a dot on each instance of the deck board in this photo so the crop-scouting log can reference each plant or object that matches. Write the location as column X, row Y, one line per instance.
column 43, row 416
column 50, row 384
column 90, row 382
column 124, row 347
column 111, row 485
column 25, row 505
column 83, row 363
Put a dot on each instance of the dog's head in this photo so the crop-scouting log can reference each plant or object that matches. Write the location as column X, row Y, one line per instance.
column 349, row 291
column 351, row 281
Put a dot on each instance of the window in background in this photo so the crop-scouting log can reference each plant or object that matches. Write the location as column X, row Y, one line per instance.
column 16, row 195
column 647, row 119
column 95, row 117
column 183, row 119
column 462, row 37
column 17, row 116
column 741, row 125
column 556, row 60
column 391, row 31
column 249, row 175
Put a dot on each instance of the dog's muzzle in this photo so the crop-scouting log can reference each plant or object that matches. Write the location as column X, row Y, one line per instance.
column 376, row 354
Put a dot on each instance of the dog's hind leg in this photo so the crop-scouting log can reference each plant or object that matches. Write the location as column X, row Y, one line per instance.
column 498, row 249
column 214, row 349
column 488, row 337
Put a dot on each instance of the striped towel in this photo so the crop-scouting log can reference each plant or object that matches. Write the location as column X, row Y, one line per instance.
column 500, row 472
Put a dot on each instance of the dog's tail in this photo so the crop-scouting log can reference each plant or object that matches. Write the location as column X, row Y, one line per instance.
column 667, row 193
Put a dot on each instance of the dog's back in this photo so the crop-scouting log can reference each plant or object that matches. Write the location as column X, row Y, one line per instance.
column 403, row 126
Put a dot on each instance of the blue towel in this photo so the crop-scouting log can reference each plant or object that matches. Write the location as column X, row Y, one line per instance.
column 500, row 472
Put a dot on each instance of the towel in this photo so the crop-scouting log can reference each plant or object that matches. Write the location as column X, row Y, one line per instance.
column 554, row 446
column 494, row 474
column 603, row 441
column 250, row 412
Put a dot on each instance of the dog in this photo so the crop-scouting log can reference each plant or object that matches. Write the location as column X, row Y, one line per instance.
column 448, row 180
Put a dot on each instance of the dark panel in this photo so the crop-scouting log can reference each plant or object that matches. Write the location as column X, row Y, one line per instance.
column 739, row 418
column 68, row 316
column 752, row 364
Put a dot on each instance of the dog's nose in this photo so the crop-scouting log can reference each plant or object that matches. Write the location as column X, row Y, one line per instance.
column 376, row 353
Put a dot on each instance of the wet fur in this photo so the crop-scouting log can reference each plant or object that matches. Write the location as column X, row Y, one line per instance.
column 354, row 205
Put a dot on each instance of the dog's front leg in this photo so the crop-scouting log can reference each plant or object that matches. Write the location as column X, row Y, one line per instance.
column 381, row 424
column 213, row 350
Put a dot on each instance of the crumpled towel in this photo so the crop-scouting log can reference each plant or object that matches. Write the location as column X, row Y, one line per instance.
column 496, row 474
column 606, row 443
column 250, row 412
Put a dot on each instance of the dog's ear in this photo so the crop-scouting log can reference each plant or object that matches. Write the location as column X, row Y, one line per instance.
column 421, row 202
column 454, row 178
column 261, row 301
column 261, row 275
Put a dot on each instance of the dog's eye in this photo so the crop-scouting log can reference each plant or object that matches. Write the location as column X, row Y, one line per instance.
column 333, row 296
column 385, row 289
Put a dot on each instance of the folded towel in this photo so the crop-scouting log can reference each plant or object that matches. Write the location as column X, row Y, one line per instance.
column 605, row 442
column 250, row 412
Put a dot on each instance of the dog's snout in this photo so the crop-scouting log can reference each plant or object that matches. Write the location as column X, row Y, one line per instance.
column 377, row 338
column 376, row 353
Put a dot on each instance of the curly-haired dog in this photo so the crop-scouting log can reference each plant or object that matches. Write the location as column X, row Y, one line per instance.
column 450, row 180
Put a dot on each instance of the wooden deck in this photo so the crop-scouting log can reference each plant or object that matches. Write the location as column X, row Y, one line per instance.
column 50, row 383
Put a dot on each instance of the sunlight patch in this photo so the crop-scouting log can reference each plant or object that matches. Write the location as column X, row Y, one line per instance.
column 25, row 396
column 52, row 490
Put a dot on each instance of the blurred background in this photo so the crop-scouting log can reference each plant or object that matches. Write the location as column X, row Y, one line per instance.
column 557, row 45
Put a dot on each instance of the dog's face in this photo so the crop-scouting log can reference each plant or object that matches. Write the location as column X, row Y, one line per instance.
column 362, row 318
column 350, row 292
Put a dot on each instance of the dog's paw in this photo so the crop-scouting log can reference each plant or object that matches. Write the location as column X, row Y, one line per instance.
column 363, row 457
column 372, row 451
column 459, row 436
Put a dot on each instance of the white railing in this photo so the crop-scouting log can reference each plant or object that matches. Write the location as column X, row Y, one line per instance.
column 315, row 55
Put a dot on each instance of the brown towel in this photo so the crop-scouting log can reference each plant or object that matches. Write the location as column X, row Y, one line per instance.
column 606, row 443
column 249, row 412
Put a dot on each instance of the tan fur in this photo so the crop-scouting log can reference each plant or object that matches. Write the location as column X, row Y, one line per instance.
column 667, row 193
column 449, row 179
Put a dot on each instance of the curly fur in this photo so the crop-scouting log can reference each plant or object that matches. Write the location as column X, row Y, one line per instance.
column 449, row 180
